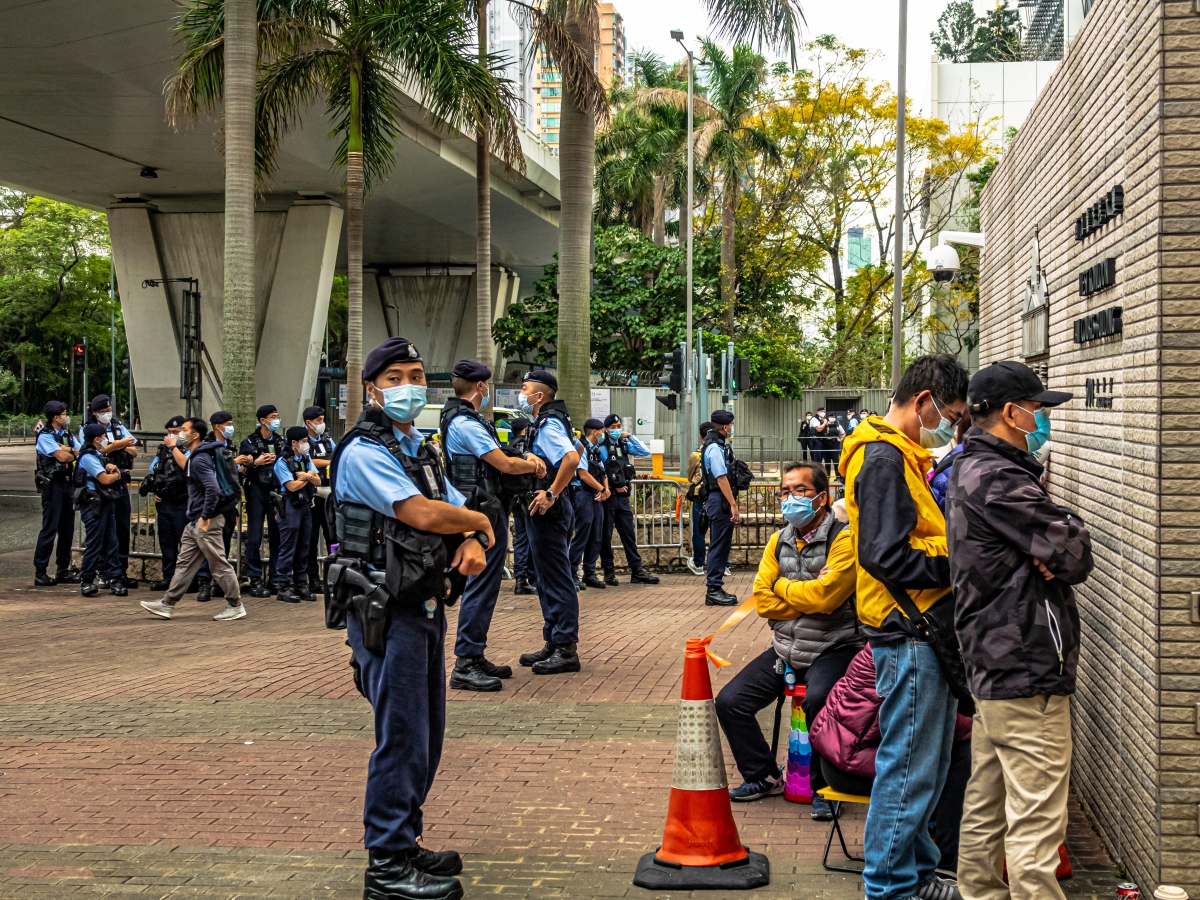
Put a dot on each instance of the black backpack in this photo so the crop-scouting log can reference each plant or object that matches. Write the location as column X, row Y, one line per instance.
column 228, row 480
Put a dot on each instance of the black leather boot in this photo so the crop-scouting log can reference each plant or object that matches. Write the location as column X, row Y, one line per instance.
column 579, row 585
column 287, row 594
column 524, row 587
column 593, row 582
column 204, row 592
column 395, row 877
column 611, row 578
column 66, row 577
column 41, row 579
column 468, row 675
column 563, row 659
column 718, row 597
column 117, row 589
column 88, row 589
column 131, row 583
column 494, row 670
column 437, row 862
column 160, row 585
column 303, row 592
column 528, row 659
column 258, row 589
column 641, row 576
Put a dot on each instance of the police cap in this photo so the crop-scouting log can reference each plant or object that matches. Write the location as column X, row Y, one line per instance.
column 541, row 376
column 722, row 417
column 297, row 433
column 265, row 410
column 612, row 419
column 313, row 412
column 100, row 402
column 175, row 422
column 55, row 408
column 471, row 370
column 520, row 423
column 1008, row 382
column 592, row 425
column 93, row 430
column 393, row 350
column 220, row 417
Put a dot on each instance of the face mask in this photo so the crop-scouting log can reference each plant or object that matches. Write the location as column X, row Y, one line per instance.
column 523, row 402
column 484, row 400
column 302, row 448
column 730, row 434
column 319, row 428
column 404, row 402
column 273, row 424
column 66, row 423
column 1037, row 438
column 940, row 436
column 104, row 442
column 228, row 432
column 614, row 433
column 798, row 511
column 104, row 418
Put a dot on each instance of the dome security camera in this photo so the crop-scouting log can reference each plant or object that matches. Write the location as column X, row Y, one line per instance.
column 943, row 263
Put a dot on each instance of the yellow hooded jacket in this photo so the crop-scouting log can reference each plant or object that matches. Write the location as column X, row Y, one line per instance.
column 899, row 531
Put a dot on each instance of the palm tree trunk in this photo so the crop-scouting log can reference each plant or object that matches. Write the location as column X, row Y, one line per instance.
column 659, row 232
column 354, row 281
column 577, row 169
column 239, row 320
column 484, row 349
column 728, row 260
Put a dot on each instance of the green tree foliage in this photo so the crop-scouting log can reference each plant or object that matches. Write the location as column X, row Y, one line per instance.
column 954, row 39
column 961, row 36
column 54, row 279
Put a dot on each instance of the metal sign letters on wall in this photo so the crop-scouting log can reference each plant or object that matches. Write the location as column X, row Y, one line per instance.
column 1099, row 393
column 1098, row 325
column 1099, row 277
column 1100, row 213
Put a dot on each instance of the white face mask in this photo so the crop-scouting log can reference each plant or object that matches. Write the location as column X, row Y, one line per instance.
column 228, row 432
column 104, row 418
column 302, row 448
column 319, row 428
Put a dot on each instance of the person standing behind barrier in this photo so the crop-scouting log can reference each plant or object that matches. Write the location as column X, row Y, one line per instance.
column 168, row 485
column 523, row 575
column 551, row 521
column 835, row 434
column 321, row 447
column 616, row 450
column 213, row 493
column 222, row 433
column 590, row 489
column 264, row 447
column 720, row 504
column 98, row 487
column 818, row 429
column 804, row 438
column 298, row 481
column 695, row 476
column 56, row 453
column 120, row 448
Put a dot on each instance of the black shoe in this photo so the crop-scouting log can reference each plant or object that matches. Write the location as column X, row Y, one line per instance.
column 494, row 670
column 159, row 586
column 641, row 576
column 118, row 590
column 67, row 577
column 303, row 592
column 437, row 862
column 611, row 578
column 204, row 592
column 102, row 581
column 275, row 585
column 528, row 659
column 258, row 589
column 287, row 594
column 593, row 582
column 41, row 579
column 88, row 589
column 718, row 597
column 131, row 583
column 468, row 675
column 216, row 590
column 579, row 585
column 524, row 587
column 396, row 877
column 563, row 659
column 316, row 586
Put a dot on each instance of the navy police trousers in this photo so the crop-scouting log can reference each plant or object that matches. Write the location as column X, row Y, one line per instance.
column 479, row 597
column 720, row 539
column 549, row 541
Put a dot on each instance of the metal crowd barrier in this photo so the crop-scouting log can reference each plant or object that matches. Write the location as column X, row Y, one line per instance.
column 658, row 518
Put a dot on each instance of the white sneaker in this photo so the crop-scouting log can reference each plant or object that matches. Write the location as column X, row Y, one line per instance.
column 693, row 568
column 229, row 613
column 166, row 610
column 728, row 572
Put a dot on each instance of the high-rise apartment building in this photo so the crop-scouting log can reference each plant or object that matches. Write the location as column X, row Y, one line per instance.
column 510, row 38
column 610, row 55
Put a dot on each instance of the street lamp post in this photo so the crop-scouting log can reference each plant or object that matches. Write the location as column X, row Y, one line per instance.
column 898, row 265
column 688, row 430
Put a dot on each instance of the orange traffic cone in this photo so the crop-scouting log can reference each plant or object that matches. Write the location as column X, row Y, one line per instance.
column 700, row 847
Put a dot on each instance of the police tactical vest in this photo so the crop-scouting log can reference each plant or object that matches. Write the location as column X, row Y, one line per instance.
column 50, row 469
column 466, row 470
column 122, row 459
column 296, row 465
column 322, row 448
column 619, row 466
column 737, row 472
column 595, row 463
column 169, row 480
column 555, row 409
column 100, row 492
column 263, row 475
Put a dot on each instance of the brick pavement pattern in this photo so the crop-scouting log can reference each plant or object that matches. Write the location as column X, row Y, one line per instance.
column 190, row 758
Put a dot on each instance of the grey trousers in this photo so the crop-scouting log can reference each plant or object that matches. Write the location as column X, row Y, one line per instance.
column 194, row 548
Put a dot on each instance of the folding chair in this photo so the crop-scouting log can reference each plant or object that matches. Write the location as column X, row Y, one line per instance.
column 836, row 799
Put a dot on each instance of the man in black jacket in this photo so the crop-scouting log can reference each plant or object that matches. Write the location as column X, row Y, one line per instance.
column 1014, row 553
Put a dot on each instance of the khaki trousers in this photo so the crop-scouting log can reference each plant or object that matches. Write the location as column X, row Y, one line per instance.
column 1016, row 802
column 194, row 548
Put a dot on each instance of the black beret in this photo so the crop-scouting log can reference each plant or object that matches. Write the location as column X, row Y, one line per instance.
column 297, row 433
column 265, row 410
column 520, row 423
column 313, row 412
column 100, row 402
column 592, row 424
column 220, row 417
column 175, row 422
column 393, row 350
column 471, row 370
column 541, row 376
column 92, row 431
column 722, row 417
column 612, row 419
column 55, row 408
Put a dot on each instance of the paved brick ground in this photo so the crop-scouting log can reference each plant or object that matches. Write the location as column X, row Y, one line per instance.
column 196, row 759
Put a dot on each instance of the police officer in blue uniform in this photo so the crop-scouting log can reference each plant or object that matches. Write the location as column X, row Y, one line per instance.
column 518, row 439
column 56, row 451
column 321, row 448
column 617, row 449
column 720, row 504
column 167, row 483
column 298, row 481
column 222, row 433
column 591, row 490
column 551, row 521
column 387, row 483
column 98, row 487
column 475, row 462
column 264, row 447
column 119, row 447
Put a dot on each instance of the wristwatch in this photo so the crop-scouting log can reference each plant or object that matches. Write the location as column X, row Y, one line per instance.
column 482, row 537
column 550, row 495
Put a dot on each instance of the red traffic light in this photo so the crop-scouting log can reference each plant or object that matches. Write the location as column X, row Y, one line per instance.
column 79, row 348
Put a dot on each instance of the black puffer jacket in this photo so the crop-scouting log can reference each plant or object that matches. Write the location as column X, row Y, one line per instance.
column 1019, row 632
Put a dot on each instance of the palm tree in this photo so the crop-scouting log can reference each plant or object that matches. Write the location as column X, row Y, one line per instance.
column 353, row 54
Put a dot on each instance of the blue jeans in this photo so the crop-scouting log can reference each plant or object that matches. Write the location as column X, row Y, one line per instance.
column 916, row 723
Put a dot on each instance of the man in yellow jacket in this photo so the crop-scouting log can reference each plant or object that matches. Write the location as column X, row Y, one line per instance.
column 900, row 538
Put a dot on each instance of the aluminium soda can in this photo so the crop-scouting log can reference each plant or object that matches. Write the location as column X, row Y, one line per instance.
column 1128, row 891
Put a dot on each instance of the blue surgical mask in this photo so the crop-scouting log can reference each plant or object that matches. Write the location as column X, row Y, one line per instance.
column 404, row 402
column 614, row 433
column 229, row 431
column 273, row 424
column 1037, row 438
column 940, row 436
column 523, row 402
column 798, row 511
column 485, row 400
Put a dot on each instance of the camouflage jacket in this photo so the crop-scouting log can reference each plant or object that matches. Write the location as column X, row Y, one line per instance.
column 1019, row 632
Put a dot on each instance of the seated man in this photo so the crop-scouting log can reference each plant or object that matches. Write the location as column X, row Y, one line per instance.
column 805, row 587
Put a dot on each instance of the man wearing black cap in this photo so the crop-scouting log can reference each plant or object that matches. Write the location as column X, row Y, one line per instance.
column 522, row 563
column 298, row 482
column 399, row 651
column 1014, row 554
column 55, row 461
column 551, row 521
column 98, row 484
column 720, row 503
column 321, row 446
column 475, row 462
column 119, row 447
column 263, row 447
column 167, row 483
column 617, row 450
column 590, row 488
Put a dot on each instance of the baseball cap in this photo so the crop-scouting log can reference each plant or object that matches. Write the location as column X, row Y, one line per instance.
column 1009, row 382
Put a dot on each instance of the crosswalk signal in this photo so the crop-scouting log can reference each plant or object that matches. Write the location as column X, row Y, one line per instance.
column 672, row 378
column 741, row 374
column 78, row 358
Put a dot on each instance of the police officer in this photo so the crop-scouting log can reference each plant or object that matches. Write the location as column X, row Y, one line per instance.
column 617, row 449
column 298, row 481
column 99, row 486
column 222, row 434
column 551, row 520
column 721, row 506
column 119, row 447
column 56, row 451
column 475, row 462
column 263, row 447
column 590, row 489
column 321, row 446
column 168, row 485
column 403, row 673
column 523, row 576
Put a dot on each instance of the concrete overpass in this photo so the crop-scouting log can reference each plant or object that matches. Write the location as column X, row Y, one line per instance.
column 81, row 120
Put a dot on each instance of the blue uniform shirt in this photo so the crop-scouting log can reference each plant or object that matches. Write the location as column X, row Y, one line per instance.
column 283, row 474
column 47, row 445
column 370, row 476
column 634, row 446
column 93, row 465
column 467, row 437
column 119, row 434
column 553, row 442
column 714, row 460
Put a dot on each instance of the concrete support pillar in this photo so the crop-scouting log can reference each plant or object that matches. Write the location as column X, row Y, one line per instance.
column 430, row 310
column 379, row 323
column 293, row 328
column 501, row 279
